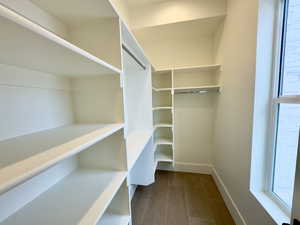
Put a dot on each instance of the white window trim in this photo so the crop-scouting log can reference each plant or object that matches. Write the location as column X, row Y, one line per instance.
column 275, row 101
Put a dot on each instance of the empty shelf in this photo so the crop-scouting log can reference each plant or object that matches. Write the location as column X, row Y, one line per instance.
column 162, row 125
column 196, row 89
column 163, row 141
column 80, row 198
column 25, row 156
column 136, row 142
column 164, row 156
column 161, row 89
column 162, row 108
column 26, row 44
column 114, row 219
column 200, row 68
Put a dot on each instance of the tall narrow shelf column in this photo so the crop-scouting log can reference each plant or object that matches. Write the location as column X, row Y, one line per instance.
column 163, row 115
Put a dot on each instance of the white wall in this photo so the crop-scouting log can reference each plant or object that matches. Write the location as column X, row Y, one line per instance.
column 194, row 116
column 233, row 126
column 165, row 12
column 32, row 101
column 176, row 51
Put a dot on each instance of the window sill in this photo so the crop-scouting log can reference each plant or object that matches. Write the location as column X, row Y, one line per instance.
column 271, row 207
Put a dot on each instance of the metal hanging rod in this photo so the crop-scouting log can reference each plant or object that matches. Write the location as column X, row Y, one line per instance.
column 192, row 92
column 124, row 47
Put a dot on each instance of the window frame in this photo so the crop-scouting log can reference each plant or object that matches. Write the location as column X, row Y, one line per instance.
column 276, row 99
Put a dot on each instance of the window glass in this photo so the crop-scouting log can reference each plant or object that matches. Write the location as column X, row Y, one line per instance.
column 286, row 151
column 291, row 59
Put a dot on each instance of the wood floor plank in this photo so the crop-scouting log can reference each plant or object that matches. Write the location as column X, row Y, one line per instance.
column 198, row 203
column 177, row 210
column 141, row 200
column 180, row 199
column 198, row 221
column 211, row 188
column 157, row 207
column 221, row 213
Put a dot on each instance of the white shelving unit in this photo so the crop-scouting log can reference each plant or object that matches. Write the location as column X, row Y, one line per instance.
column 96, row 193
column 163, row 112
column 168, row 83
column 46, row 148
column 75, row 127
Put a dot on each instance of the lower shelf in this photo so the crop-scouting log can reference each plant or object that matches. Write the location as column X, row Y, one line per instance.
column 163, row 125
column 114, row 219
column 81, row 198
column 135, row 143
column 163, row 141
column 164, row 155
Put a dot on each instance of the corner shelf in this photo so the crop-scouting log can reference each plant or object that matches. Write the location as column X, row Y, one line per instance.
column 159, row 125
column 215, row 88
column 163, row 141
column 161, row 89
column 53, row 206
column 44, row 49
column 163, row 156
column 46, row 148
column 162, row 108
column 212, row 67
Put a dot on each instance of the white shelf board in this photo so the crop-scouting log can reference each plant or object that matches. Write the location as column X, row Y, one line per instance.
column 25, row 156
column 199, row 88
column 163, row 141
column 162, row 125
column 80, row 12
column 80, row 198
column 161, row 89
column 162, row 108
column 164, row 156
column 28, row 45
column 135, row 144
column 114, row 219
column 199, row 68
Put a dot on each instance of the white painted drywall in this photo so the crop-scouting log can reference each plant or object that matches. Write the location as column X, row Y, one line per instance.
column 193, row 132
column 33, row 101
column 233, row 127
column 176, row 51
column 166, row 12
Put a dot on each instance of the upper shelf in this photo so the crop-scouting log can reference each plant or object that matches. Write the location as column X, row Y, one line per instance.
column 80, row 198
column 200, row 89
column 28, row 155
column 199, row 68
column 26, row 44
column 161, row 89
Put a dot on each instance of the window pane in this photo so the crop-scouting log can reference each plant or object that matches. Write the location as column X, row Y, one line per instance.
column 291, row 75
column 286, row 151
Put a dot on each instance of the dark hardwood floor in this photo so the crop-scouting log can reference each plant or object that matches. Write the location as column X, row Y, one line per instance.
column 180, row 199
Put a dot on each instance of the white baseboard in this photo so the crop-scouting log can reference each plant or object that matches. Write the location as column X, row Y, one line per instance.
column 234, row 211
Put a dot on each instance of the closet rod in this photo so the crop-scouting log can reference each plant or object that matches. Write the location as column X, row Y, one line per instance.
column 192, row 92
column 124, row 47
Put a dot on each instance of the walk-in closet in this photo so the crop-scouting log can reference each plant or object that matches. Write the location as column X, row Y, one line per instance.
column 149, row 112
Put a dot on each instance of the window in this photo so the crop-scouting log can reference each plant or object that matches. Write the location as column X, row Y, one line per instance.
column 286, row 105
